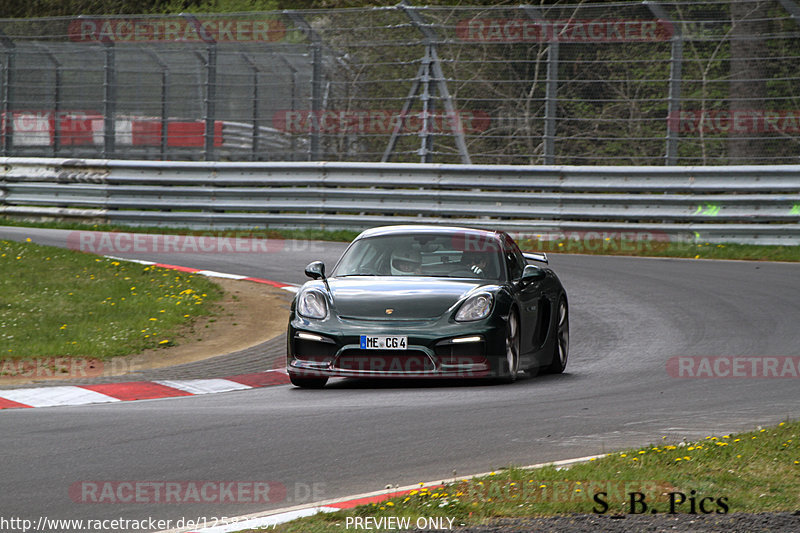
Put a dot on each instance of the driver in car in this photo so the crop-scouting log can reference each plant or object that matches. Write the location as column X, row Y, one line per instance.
column 406, row 262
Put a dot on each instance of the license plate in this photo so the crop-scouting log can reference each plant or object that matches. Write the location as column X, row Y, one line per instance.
column 383, row 342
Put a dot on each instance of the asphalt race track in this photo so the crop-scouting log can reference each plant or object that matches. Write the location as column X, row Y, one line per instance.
column 628, row 316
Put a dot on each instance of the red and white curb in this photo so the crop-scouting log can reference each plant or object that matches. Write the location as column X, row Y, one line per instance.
column 53, row 396
column 269, row 519
column 209, row 273
column 135, row 390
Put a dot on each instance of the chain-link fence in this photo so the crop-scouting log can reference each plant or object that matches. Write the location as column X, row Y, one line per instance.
column 642, row 83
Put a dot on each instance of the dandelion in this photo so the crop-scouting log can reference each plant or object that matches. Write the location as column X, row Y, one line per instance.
column 165, row 341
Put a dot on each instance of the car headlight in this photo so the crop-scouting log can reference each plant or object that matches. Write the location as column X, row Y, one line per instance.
column 311, row 304
column 476, row 307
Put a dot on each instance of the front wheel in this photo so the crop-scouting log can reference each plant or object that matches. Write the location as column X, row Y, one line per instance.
column 561, row 344
column 307, row 383
column 512, row 348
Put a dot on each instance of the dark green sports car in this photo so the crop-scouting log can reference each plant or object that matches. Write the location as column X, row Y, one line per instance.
column 428, row 301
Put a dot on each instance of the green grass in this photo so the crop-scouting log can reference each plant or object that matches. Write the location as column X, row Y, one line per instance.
column 697, row 249
column 56, row 302
column 754, row 472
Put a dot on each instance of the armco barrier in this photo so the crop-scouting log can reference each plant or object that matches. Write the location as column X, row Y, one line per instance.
column 744, row 204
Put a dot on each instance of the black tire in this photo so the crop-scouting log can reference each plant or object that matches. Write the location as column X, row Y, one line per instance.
column 307, row 383
column 561, row 341
column 511, row 363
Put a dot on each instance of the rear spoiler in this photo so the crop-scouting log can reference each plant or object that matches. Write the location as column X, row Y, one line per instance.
column 536, row 256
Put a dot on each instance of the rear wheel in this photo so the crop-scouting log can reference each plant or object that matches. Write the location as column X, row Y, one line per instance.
column 561, row 344
column 306, row 382
column 512, row 348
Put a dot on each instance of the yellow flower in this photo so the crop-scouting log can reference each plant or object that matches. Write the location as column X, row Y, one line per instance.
column 165, row 341
column 389, row 504
column 153, row 319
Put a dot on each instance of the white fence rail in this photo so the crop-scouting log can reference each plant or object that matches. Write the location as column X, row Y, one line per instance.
column 744, row 204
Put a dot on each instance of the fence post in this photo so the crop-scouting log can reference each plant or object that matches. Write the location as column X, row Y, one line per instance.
column 210, row 107
column 7, row 118
column 315, row 153
column 164, row 109
column 293, row 104
column 254, row 138
column 675, row 76
column 109, row 100
column 430, row 39
column 551, row 92
column 56, row 97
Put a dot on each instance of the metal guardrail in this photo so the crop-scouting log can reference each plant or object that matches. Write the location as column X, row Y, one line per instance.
column 743, row 204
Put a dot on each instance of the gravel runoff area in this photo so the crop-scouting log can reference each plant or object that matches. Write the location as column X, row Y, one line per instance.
column 784, row 522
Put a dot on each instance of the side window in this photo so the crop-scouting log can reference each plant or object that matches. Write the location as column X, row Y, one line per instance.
column 515, row 262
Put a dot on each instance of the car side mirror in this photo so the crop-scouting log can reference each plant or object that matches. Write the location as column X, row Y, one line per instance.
column 316, row 270
column 532, row 273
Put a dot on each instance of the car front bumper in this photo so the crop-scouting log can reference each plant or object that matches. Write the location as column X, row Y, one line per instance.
column 438, row 348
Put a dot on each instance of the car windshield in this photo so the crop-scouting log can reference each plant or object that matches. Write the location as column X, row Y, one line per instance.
column 456, row 255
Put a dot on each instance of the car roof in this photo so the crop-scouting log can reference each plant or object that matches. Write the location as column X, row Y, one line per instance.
column 421, row 228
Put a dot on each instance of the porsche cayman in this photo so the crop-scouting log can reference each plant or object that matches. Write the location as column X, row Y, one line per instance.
column 428, row 301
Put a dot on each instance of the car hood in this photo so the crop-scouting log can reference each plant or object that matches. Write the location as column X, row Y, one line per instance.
column 407, row 298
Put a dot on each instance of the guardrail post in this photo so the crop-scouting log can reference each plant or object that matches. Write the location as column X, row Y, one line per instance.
column 675, row 76
column 8, row 69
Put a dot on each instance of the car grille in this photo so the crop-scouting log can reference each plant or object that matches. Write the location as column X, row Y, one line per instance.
column 385, row 361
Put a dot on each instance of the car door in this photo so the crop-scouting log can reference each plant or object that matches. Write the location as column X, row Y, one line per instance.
column 528, row 298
